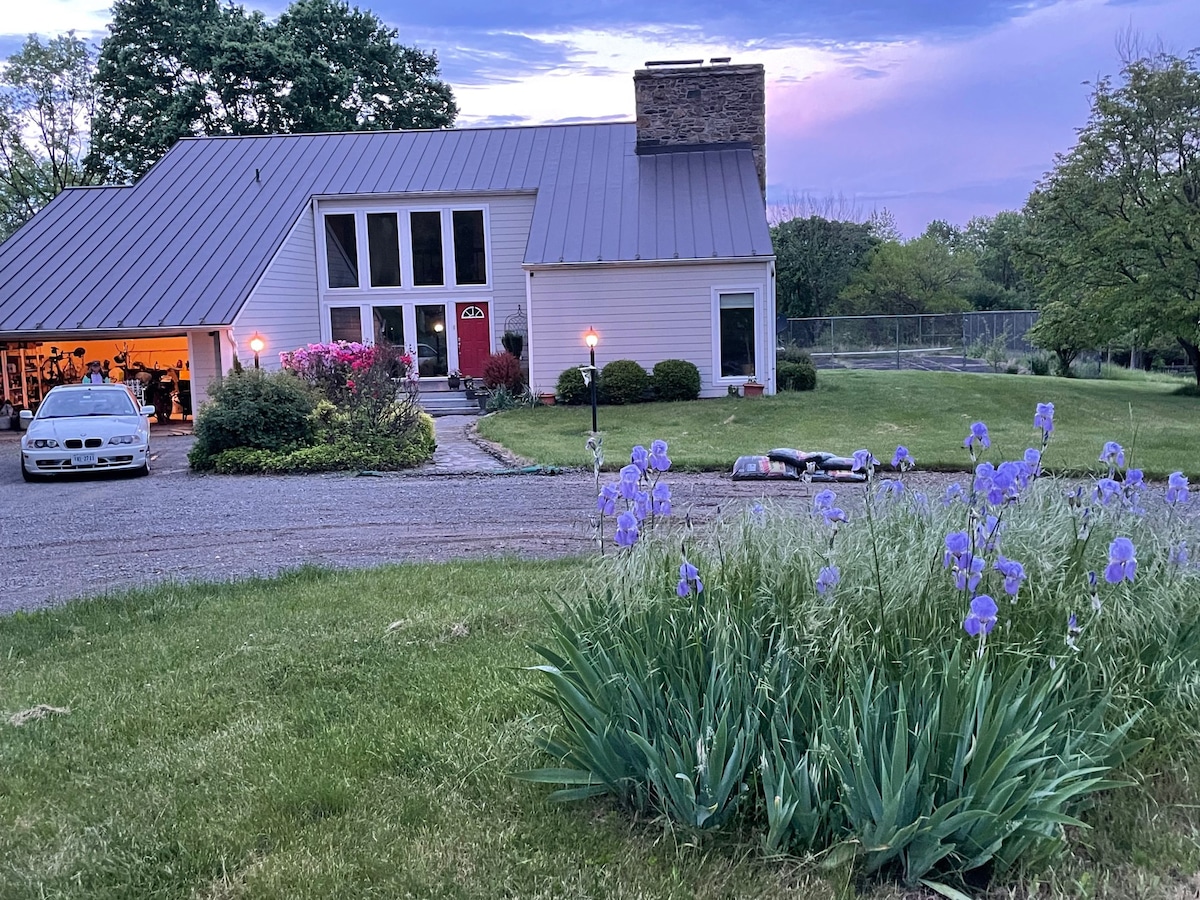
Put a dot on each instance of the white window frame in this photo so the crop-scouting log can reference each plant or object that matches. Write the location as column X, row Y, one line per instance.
column 403, row 210
column 760, row 368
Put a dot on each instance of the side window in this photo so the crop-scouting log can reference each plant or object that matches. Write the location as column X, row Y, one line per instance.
column 341, row 251
column 470, row 254
column 736, row 324
column 383, row 248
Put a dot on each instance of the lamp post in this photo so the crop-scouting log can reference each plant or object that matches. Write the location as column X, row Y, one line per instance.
column 257, row 344
column 592, row 339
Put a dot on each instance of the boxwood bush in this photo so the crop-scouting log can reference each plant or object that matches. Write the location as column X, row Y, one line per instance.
column 796, row 376
column 623, row 381
column 676, row 379
column 256, row 410
column 571, row 389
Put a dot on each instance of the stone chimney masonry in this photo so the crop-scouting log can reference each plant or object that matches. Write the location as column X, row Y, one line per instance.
column 693, row 106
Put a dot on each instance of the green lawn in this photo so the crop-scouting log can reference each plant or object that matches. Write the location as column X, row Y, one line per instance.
column 274, row 739
column 928, row 412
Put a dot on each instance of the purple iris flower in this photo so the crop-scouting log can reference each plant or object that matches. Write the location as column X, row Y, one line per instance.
column 828, row 579
column 658, row 456
column 661, row 496
column 891, row 488
column 979, row 433
column 1122, row 561
column 758, row 514
column 1107, row 490
column 987, row 534
column 628, row 485
column 640, row 458
column 833, row 515
column 641, row 505
column 985, row 473
column 903, row 459
column 1044, row 420
column 824, row 500
column 1179, row 555
column 954, row 492
column 689, row 580
column 969, row 572
column 1177, row 488
column 982, row 617
column 957, row 544
column 1113, row 455
column 864, row 461
column 627, row 530
column 1013, row 572
column 606, row 503
column 1033, row 459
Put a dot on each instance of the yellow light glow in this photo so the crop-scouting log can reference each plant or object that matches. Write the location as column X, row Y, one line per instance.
column 257, row 344
column 438, row 327
column 591, row 338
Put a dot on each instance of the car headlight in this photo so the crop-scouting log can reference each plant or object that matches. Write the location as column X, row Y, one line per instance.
column 122, row 439
column 43, row 443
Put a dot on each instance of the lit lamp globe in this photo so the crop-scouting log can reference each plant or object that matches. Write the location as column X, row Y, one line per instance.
column 257, row 344
column 592, row 339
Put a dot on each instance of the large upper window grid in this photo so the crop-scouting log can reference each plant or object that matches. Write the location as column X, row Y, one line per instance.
column 341, row 251
column 407, row 248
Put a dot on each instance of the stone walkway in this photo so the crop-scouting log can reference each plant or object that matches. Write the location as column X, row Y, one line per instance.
column 456, row 453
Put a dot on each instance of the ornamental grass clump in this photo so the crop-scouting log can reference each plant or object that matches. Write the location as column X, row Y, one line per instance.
column 934, row 687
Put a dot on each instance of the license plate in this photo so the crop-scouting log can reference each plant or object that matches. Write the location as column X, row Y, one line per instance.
column 83, row 459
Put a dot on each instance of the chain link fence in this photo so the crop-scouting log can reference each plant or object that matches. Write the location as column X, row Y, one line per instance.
column 955, row 341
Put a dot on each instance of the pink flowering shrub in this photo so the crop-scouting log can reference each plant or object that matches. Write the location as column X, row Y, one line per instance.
column 341, row 370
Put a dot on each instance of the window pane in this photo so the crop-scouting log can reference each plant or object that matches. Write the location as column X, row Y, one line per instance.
column 431, row 340
column 470, row 263
column 345, row 323
column 383, row 246
column 341, row 251
column 389, row 325
column 427, row 247
column 737, row 335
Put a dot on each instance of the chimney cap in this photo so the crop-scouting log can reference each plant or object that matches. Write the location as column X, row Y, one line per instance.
column 720, row 59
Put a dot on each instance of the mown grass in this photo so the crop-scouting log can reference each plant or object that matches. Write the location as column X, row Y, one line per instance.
column 274, row 739
column 929, row 412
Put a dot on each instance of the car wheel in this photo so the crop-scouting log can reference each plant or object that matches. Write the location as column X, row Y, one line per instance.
column 144, row 470
column 29, row 476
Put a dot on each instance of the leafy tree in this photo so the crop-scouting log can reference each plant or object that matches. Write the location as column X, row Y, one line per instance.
column 1066, row 328
column 920, row 276
column 46, row 105
column 173, row 68
column 815, row 259
column 1118, row 219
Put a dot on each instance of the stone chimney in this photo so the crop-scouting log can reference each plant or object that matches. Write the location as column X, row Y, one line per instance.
column 687, row 105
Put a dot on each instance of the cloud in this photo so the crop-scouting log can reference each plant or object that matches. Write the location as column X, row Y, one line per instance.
column 51, row 17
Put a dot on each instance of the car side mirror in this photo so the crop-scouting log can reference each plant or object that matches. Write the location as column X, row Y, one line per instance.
column 148, row 410
column 26, row 415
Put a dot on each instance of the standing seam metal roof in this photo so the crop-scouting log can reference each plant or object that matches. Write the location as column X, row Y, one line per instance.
column 186, row 244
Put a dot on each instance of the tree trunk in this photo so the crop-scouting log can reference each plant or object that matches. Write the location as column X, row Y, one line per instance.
column 1193, row 355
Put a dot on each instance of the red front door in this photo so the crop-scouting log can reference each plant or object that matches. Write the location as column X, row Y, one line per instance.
column 474, row 338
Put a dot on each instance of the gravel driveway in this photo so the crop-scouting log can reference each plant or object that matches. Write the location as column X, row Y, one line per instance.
column 88, row 535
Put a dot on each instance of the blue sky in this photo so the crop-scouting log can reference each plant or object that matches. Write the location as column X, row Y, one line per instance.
column 929, row 108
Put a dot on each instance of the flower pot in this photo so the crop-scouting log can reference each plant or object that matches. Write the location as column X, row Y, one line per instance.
column 752, row 389
column 547, row 398
column 453, row 382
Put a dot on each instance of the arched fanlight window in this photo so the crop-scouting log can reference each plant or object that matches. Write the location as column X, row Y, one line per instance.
column 472, row 312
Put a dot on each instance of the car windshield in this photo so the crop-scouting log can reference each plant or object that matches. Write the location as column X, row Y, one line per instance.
column 67, row 404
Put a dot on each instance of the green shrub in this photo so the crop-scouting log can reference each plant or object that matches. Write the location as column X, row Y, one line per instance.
column 1039, row 364
column 792, row 354
column 571, row 389
column 796, row 376
column 676, row 379
column 344, row 452
column 255, row 410
column 623, row 381
column 503, row 370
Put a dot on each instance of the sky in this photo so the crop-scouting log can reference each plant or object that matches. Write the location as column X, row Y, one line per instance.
column 930, row 109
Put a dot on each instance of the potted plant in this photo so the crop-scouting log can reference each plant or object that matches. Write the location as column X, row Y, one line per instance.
column 752, row 388
column 468, row 384
column 453, row 380
column 513, row 342
column 546, row 398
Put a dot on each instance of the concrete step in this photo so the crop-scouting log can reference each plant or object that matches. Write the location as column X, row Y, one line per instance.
column 448, row 403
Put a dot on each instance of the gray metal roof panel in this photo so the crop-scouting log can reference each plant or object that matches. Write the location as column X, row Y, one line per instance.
column 186, row 244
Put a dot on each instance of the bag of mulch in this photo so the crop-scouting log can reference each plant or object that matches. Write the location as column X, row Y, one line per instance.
column 762, row 468
column 837, row 477
column 820, row 459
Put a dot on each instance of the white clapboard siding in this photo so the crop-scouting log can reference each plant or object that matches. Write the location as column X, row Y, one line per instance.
column 646, row 313
column 508, row 220
column 283, row 307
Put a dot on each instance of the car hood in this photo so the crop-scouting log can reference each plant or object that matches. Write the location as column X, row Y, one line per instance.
column 84, row 426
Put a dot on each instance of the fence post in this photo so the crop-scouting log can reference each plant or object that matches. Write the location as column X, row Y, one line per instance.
column 832, row 343
column 897, row 342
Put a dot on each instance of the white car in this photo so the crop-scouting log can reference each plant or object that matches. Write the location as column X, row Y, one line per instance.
column 86, row 428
